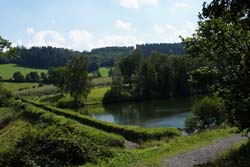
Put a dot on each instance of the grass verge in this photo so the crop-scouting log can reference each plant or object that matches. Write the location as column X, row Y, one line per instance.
column 154, row 156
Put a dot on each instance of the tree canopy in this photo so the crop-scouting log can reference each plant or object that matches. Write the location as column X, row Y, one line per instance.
column 223, row 38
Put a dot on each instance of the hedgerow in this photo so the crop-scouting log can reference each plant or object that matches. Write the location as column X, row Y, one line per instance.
column 133, row 133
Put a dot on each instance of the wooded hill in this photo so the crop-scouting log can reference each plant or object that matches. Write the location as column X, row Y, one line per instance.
column 45, row 57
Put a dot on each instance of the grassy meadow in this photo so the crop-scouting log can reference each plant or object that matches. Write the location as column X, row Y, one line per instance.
column 13, row 87
column 7, row 70
column 104, row 71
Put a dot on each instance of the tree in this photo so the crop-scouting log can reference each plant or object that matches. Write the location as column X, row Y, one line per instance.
column 130, row 65
column 18, row 77
column 32, row 77
column 5, row 48
column 79, row 83
column 59, row 78
column 223, row 38
column 44, row 77
column 117, row 83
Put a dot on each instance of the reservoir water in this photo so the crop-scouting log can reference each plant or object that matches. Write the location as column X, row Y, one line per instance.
column 148, row 114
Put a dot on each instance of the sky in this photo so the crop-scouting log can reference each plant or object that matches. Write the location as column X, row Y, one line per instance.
column 87, row 24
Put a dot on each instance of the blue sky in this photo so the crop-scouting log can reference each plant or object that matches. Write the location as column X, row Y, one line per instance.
column 86, row 24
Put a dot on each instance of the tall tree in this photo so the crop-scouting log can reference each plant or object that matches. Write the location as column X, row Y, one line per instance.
column 79, row 83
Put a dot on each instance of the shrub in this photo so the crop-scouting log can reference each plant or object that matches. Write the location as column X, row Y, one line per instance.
column 206, row 113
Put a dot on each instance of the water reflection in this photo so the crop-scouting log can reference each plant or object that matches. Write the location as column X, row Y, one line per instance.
column 160, row 113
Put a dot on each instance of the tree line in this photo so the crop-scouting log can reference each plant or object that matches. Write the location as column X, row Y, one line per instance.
column 164, row 48
column 46, row 57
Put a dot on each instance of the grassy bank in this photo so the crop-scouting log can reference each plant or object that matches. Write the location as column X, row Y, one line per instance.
column 154, row 156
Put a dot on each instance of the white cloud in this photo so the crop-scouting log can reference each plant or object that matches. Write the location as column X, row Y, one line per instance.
column 181, row 5
column 77, row 40
column 123, row 25
column 81, row 39
column 117, row 40
column 171, row 33
column 47, row 38
column 30, row 31
column 137, row 3
column 129, row 3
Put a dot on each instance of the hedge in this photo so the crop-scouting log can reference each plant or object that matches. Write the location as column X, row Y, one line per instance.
column 99, row 137
column 132, row 133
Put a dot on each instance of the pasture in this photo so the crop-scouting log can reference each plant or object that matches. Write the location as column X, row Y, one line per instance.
column 7, row 70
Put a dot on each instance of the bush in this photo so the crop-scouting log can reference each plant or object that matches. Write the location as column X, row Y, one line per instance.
column 206, row 113
column 111, row 97
column 67, row 103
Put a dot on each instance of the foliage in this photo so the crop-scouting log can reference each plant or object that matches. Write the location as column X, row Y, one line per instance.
column 78, row 84
column 108, row 55
column 162, row 76
column 112, row 96
column 129, row 66
column 223, row 38
column 32, row 77
column 207, row 113
column 59, row 78
column 18, row 77
column 56, row 141
column 6, row 51
column 203, row 78
column 53, row 146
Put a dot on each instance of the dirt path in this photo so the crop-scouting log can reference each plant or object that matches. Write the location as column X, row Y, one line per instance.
column 203, row 154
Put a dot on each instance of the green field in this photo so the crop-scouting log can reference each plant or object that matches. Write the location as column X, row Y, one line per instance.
column 104, row 71
column 7, row 70
column 13, row 87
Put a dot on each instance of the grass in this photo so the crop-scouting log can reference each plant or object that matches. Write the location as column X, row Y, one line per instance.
column 101, row 81
column 37, row 91
column 96, row 95
column 154, row 155
column 7, row 70
column 13, row 87
column 104, row 71
column 29, row 89
column 237, row 155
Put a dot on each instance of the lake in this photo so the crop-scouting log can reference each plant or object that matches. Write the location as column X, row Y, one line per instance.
column 148, row 114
